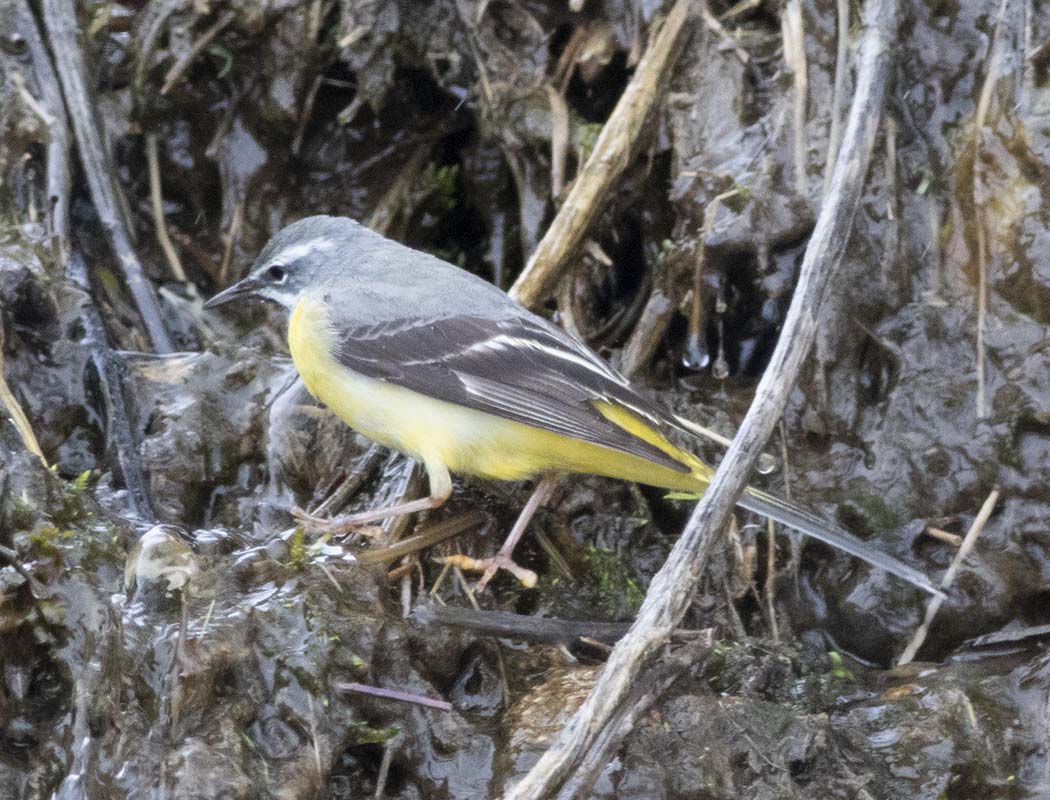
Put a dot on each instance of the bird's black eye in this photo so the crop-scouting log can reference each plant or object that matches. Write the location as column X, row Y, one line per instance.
column 277, row 274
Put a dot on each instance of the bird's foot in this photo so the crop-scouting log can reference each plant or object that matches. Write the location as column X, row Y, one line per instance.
column 334, row 526
column 488, row 568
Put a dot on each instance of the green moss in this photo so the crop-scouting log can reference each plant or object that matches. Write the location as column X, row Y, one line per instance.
column 613, row 588
column 298, row 550
column 870, row 512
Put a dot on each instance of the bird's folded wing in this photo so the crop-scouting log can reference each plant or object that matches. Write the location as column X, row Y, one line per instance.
column 518, row 368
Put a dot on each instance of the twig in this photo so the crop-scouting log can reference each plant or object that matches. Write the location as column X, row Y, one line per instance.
column 157, row 201
column 60, row 18
column 696, row 312
column 395, row 694
column 58, row 171
column 611, row 156
column 431, row 535
column 949, row 577
column 673, row 588
column 795, row 57
column 179, row 68
column 954, row 539
column 524, row 627
column 979, row 198
column 384, row 770
column 711, row 21
column 559, row 139
column 231, row 237
column 841, row 66
column 656, row 318
column 771, row 579
column 647, row 692
column 393, row 200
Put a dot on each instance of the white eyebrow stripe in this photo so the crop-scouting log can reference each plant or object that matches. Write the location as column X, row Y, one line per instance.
column 292, row 254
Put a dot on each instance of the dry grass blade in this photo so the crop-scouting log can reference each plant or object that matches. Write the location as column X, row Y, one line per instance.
column 157, row 202
column 672, row 589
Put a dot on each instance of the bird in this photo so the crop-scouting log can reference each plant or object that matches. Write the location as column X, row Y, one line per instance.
column 434, row 361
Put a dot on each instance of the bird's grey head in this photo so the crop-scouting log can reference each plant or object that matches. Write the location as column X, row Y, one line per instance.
column 300, row 256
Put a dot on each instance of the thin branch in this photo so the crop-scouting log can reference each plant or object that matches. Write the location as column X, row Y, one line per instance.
column 841, row 66
column 949, row 577
column 179, row 68
column 58, row 171
column 673, row 588
column 611, row 156
column 61, row 20
column 793, row 31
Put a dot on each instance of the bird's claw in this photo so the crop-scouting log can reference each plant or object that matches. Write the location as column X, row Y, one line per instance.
column 488, row 567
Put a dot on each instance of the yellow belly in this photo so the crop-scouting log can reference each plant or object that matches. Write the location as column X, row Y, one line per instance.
column 462, row 439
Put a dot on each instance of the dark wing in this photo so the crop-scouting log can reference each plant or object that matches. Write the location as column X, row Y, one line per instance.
column 520, row 368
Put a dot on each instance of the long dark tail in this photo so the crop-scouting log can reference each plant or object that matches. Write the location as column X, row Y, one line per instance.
column 813, row 526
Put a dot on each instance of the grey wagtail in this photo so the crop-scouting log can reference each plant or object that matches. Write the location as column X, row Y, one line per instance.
column 433, row 361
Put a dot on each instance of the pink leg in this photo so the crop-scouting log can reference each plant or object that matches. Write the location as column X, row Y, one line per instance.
column 440, row 489
column 540, row 495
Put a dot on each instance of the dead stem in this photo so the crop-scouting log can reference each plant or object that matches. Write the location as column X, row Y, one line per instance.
column 653, row 323
column 771, row 579
column 559, row 139
column 712, row 22
column 935, row 602
column 795, row 57
column 954, row 539
column 62, row 27
column 157, row 201
column 673, row 588
column 179, row 68
column 841, row 66
column 58, row 169
column 696, row 311
column 610, row 157
column 980, row 191
column 231, row 237
column 395, row 694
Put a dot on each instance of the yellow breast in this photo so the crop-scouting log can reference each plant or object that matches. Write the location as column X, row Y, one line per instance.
column 460, row 438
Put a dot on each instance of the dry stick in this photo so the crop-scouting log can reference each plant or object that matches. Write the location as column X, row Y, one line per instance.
column 58, row 172
column 949, row 577
column 647, row 692
column 711, row 21
column 979, row 197
column 611, row 156
column 841, row 66
column 673, row 588
column 60, row 17
column 157, row 201
column 183, row 64
column 795, row 58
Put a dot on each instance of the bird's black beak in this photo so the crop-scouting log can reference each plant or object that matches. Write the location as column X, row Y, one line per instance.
column 243, row 288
